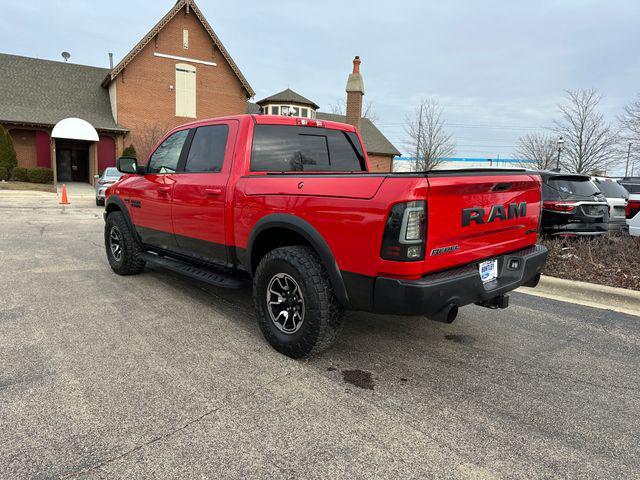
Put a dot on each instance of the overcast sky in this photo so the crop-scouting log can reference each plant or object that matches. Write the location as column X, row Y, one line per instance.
column 499, row 68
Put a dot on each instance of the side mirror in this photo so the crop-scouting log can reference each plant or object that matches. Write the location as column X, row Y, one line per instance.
column 127, row 165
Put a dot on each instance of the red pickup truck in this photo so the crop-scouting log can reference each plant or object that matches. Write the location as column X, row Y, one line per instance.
column 288, row 204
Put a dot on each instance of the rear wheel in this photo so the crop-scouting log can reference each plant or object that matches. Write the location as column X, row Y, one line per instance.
column 296, row 307
column 123, row 250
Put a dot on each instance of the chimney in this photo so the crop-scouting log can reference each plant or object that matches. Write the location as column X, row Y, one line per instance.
column 355, row 92
column 111, row 60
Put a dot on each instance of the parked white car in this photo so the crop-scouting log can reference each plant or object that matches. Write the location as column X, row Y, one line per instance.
column 633, row 214
column 616, row 196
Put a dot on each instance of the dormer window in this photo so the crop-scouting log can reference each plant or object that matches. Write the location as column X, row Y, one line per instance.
column 288, row 110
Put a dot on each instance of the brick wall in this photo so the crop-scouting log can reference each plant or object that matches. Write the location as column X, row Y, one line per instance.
column 145, row 101
column 24, row 142
column 354, row 109
column 380, row 163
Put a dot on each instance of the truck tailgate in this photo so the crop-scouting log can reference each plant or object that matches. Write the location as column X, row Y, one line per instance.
column 475, row 216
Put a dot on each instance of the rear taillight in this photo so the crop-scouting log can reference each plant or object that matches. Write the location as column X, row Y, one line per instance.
column 562, row 207
column 632, row 209
column 405, row 232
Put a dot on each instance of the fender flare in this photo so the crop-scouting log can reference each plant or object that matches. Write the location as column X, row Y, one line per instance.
column 122, row 207
column 311, row 235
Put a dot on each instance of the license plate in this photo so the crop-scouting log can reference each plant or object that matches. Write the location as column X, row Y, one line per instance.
column 488, row 270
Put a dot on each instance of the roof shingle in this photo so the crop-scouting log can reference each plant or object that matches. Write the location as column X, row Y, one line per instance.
column 43, row 92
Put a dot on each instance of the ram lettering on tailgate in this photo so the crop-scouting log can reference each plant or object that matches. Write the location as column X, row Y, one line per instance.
column 497, row 212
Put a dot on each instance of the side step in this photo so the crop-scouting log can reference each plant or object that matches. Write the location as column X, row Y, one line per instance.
column 207, row 275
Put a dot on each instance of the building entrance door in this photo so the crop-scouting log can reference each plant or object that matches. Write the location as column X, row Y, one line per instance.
column 72, row 162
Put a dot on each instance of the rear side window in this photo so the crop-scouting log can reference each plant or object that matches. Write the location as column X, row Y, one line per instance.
column 207, row 149
column 632, row 187
column 549, row 193
column 612, row 189
column 573, row 187
column 286, row 148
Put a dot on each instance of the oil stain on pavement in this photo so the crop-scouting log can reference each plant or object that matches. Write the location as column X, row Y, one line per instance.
column 463, row 339
column 359, row 378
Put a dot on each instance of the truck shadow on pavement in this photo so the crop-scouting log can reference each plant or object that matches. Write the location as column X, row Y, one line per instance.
column 366, row 340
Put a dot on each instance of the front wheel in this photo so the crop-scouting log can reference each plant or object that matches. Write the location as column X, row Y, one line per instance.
column 123, row 250
column 296, row 307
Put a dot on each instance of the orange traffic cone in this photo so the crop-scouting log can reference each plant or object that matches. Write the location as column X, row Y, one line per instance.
column 64, row 200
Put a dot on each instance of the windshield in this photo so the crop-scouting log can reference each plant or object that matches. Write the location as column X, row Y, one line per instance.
column 565, row 186
column 112, row 172
column 611, row 188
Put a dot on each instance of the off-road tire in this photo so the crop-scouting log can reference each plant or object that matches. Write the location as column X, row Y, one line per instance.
column 323, row 315
column 131, row 261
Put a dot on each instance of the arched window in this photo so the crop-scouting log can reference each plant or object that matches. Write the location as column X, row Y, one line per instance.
column 185, row 90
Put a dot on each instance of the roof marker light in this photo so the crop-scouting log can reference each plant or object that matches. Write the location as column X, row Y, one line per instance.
column 309, row 123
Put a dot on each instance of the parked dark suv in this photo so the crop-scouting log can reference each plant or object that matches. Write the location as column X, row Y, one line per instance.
column 572, row 205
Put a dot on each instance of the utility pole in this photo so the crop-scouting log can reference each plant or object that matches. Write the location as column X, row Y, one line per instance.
column 626, row 170
column 419, row 138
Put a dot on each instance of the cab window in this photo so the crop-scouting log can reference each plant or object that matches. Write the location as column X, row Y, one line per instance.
column 287, row 148
column 206, row 153
column 165, row 158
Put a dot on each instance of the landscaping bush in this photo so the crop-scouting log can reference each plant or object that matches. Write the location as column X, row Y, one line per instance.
column 3, row 173
column 8, row 158
column 19, row 174
column 40, row 175
column 612, row 260
column 130, row 151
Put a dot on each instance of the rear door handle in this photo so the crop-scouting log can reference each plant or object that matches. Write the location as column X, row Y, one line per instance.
column 213, row 192
column 164, row 190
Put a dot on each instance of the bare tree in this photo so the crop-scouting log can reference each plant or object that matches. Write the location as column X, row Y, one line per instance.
column 146, row 138
column 427, row 138
column 630, row 133
column 369, row 110
column 590, row 141
column 537, row 150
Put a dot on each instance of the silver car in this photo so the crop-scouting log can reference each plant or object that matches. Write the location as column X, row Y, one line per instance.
column 110, row 176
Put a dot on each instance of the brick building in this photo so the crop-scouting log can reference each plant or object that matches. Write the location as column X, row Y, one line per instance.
column 76, row 119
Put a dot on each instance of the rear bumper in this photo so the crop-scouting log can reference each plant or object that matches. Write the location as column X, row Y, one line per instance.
column 460, row 286
column 617, row 224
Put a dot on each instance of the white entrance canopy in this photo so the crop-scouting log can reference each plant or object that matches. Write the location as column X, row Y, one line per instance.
column 75, row 129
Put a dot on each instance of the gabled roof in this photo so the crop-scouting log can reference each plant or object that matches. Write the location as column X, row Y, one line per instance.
column 288, row 96
column 43, row 92
column 180, row 4
column 374, row 140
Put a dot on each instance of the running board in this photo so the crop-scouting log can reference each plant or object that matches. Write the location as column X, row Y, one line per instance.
column 207, row 275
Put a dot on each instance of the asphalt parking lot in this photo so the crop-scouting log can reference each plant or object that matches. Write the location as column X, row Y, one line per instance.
column 157, row 376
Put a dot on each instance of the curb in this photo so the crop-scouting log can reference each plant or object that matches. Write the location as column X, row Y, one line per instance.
column 588, row 294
